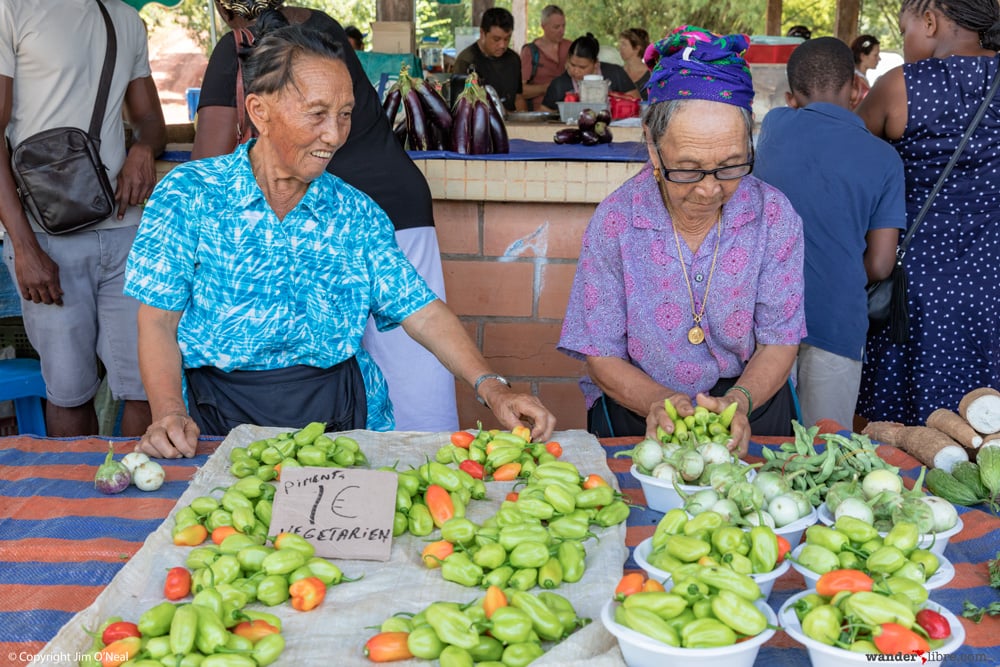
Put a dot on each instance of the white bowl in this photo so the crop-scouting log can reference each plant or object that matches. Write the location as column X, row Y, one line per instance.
column 944, row 573
column 642, row 651
column 793, row 531
column 935, row 542
column 660, row 493
column 642, row 551
column 822, row 655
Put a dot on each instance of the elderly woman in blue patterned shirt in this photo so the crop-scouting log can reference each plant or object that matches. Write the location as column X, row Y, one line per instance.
column 257, row 271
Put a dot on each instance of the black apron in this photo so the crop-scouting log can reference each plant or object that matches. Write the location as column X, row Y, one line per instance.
column 287, row 397
column 609, row 419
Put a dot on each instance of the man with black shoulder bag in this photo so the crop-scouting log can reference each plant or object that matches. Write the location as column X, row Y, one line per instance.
column 71, row 194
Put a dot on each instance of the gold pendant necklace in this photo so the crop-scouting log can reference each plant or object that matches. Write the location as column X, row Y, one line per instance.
column 696, row 335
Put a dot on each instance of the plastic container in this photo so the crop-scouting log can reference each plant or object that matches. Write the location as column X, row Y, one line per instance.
column 944, row 573
column 431, row 55
column 642, row 651
column 594, row 89
column 660, row 493
column 569, row 112
column 935, row 542
column 793, row 531
column 821, row 655
column 642, row 551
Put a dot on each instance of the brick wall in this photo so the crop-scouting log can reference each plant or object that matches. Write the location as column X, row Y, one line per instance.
column 508, row 270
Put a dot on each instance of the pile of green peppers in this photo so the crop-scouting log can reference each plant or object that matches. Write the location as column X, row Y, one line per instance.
column 870, row 622
column 308, row 446
column 493, row 449
column 484, row 632
column 852, row 544
column 244, row 505
column 698, row 428
column 412, row 514
column 707, row 607
column 707, row 539
column 537, row 539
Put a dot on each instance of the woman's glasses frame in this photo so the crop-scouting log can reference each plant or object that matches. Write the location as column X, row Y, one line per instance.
column 688, row 176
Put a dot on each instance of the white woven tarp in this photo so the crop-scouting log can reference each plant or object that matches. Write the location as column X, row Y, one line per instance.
column 335, row 632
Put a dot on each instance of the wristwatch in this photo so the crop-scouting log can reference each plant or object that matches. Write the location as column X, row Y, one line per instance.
column 483, row 378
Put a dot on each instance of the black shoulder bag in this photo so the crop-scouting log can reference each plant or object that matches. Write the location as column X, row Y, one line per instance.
column 62, row 182
column 887, row 299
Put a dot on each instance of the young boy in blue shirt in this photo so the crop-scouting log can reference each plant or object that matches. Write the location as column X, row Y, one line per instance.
column 847, row 185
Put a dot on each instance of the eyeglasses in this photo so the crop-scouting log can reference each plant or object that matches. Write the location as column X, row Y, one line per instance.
column 728, row 173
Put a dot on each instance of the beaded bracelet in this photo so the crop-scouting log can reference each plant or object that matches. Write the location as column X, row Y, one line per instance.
column 746, row 392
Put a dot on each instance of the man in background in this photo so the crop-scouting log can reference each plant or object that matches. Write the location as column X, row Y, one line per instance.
column 495, row 63
column 74, row 309
column 355, row 37
column 544, row 59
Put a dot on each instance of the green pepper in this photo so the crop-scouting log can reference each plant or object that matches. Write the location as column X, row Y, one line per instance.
column 267, row 617
column 271, row 455
column 664, row 605
column 725, row 579
column 826, row 537
column 404, row 501
column 763, row 549
column 913, row 590
column 647, row 623
column 682, row 619
column 910, row 570
column 536, row 508
column 282, row 561
column 510, row 625
column 200, row 557
column 488, row 649
column 550, row 574
column 885, row 560
column 158, row 647
column 244, row 468
column 807, row 603
column 738, row 562
column 598, row 496
column 707, row 633
column 234, row 543
column 400, row 524
column 904, row 536
column 855, row 529
column 672, row 523
column 239, row 644
column 529, row 554
column 451, row 625
column 232, row 499
column 327, row 572
column 509, row 515
column 730, row 539
column 204, row 505
column 613, row 514
column 863, row 646
column 502, row 455
column 703, row 608
column 183, row 629
column 822, row 623
column 459, row 530
column 872, row 545
column 874, row 609
column 219, row 517
column 543, row 620
column 499, row 577
column 522, row 654
column 926, row 560
column 524, row 579
column 424, row 643
column 263, row 510
column 247, row 586
column 460, row 569
column 850, row 561
column 445, row 477
column 511, row 536
column 309, row 455
column 560, row 498
column 818, row 559
column 738, row 613
column 489, row 556
column 211, row 634
column 409, row 481
column 571, row 557
column 225, row 569
column 420, row 521
column 251, row 557
column 186, row 516
column 687, row 549
column 661, row 560
column 272, row 590
column 266, row 473
column 396, row 624
column 707, row 521
column 155, row 621
column 210, row 599
column 689, row 588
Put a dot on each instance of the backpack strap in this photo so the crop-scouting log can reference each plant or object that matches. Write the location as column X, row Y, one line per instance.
column 244, row 129
column 535, row 55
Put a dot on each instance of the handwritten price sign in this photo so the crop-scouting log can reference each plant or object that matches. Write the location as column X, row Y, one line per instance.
column 344, row 513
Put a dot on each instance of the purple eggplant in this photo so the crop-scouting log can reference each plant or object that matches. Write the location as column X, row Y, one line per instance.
column 391, row 104
column 603, row 116
column 461, row 129
column 603, row 132
column 589, row 138
column 480, row 128
column 112, row 476
column 498, row 129
column 436, row 138
column 400, row 132
column 569, row 135
column 587, row 120
column 437, row 109
column 416, row 123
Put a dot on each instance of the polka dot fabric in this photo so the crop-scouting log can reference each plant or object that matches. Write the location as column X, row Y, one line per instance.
column 952, row 262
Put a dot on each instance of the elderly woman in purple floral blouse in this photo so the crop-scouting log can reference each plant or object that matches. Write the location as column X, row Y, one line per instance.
column 689, row 284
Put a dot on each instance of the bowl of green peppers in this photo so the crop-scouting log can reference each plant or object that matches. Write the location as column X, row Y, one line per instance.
column 936, row 542
column 813, row 563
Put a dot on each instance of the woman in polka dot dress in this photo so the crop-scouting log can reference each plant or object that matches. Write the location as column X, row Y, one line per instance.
column 923, row 108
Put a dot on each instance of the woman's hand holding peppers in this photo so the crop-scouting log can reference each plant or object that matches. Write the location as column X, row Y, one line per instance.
column 739, row 427
column 513, row 409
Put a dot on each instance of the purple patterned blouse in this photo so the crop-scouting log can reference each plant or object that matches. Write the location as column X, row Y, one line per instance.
column 629, row 299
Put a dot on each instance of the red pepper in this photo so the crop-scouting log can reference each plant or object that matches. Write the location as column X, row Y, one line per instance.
column 439, row 503
column 494, row 599
column 836, row 581
column 435, row 552
column 936, row 625
column 118, row 652
column 554, row 448
column 191, row 536
column 388, row 647
column 594, row 481
column 222, row 532
column 177, row 584
column 629, row 584
column 119, row 630
column 893, row 638
column 254, row 629
column 307, row 593
column 462, row 439
column 512, row 496
column 474, row 468
column 507, row 472
column 784, row 546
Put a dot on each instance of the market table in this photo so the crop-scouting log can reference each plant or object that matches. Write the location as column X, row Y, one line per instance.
column 61, row 542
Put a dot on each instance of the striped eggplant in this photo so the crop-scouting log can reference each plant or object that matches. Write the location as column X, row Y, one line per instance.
column 437, row 109
column 481, row 128
column 498, row 129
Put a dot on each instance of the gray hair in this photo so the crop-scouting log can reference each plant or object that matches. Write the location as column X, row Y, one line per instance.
column 657, row 117
column 549, row 11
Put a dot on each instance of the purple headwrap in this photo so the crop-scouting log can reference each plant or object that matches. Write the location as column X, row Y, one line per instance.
column 694, row 64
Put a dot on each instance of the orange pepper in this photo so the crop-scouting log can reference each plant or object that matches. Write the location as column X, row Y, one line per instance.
column 119, row 652
column 594, row 481
column 307, row 593
column 222, row 532
column 440, row 504
column 191, row 536
column 493, row 600
column 629, row 584
column 507, row 472
column 254, row 629
column 512, row 496
column 462, row 439
column 522, row 431
column 554, row 448
column 388, row 647
column 835, row 581
column 435, row 552
column 652, row 585
column 178, row 583
column 784, row 546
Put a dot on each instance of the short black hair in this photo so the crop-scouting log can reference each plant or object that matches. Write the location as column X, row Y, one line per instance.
column 497, row 17
column 799, row 31
column 818, row 65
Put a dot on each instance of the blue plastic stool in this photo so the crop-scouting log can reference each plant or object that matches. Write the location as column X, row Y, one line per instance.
column 21, row 382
